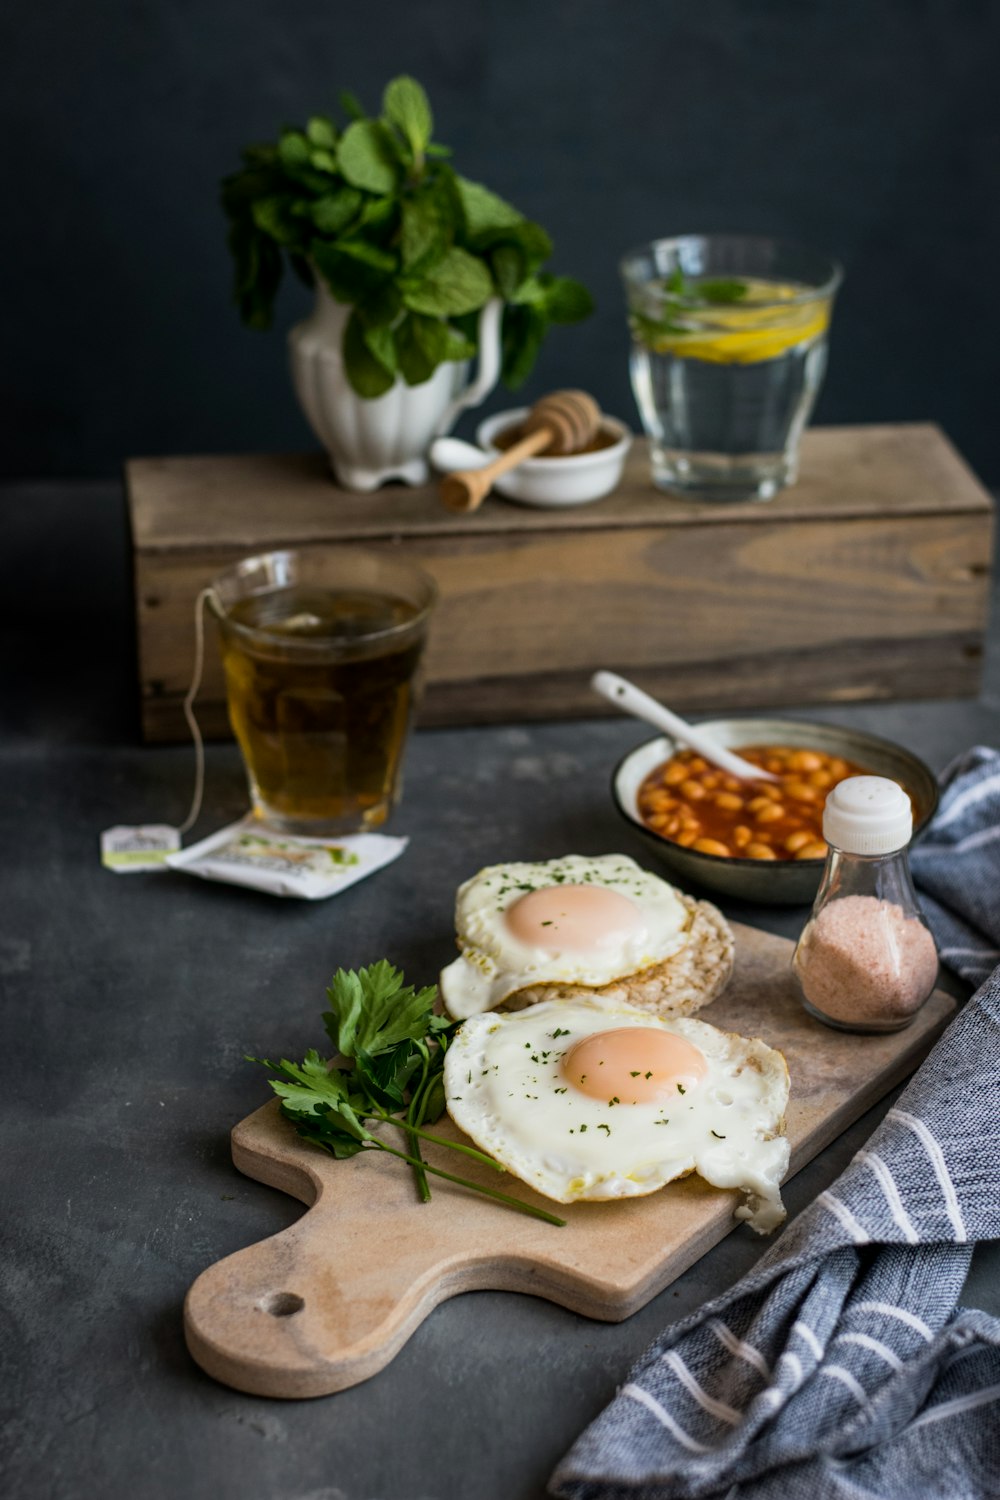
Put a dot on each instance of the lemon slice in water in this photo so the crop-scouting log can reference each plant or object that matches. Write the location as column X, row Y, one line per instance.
column 756, row 328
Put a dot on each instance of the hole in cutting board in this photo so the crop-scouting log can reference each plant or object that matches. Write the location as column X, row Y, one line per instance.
column 282, row 1304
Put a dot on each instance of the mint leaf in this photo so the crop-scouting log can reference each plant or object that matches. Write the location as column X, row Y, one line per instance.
column 521, row 338
column 382, row 308
column 426, row 230
column 369, row 377
column 322, row 131
column 457, row 283
column 352, row 269
column 350, row 104
column 334, row 211
column 405, row 105
column 484, row 211
column 720, row 291
column 293, row 150
column 366, row 157
column 380, row 344
column 509, row 269
column 423, row 343
column 323, row 160
column 273, row 216
column 565, row 300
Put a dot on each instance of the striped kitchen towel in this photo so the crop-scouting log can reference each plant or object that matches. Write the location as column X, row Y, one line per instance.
column 841, row 1366
column 957, row 866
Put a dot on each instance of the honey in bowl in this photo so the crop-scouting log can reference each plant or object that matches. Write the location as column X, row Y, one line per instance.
column 694, row 804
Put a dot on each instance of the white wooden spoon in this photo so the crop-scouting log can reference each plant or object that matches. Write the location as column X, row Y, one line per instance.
column 625, row 695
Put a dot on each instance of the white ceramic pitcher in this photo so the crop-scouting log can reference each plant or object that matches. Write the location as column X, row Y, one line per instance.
column 387, row 437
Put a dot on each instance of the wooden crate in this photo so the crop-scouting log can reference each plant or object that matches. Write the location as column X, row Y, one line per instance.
column 866, row 580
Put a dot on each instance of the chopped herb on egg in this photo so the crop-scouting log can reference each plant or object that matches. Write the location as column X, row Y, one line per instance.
column 681, row 1089
column 606, row 1128
column 559, row 1031
column 718, row 1137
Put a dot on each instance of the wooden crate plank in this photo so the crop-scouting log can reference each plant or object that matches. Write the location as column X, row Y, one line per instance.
column 879, row 591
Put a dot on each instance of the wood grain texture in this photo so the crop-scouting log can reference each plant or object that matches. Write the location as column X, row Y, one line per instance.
column 867, row 580
column 329, row 1301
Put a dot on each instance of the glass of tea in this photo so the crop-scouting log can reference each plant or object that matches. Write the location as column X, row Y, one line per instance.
column 321, row 655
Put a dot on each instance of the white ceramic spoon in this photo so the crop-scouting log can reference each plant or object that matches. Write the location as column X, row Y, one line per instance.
column 625, row 695
column 450, row 454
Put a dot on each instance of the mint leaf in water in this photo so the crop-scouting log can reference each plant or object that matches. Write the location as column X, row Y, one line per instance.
column 720, row 291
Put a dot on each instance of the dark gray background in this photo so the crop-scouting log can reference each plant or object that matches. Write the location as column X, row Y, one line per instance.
column 866, row 127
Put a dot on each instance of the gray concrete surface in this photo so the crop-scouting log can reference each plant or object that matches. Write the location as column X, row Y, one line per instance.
column 128, row 1004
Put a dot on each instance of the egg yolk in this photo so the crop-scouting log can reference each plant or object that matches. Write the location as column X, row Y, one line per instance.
column 577, row 918
column 633, row 1065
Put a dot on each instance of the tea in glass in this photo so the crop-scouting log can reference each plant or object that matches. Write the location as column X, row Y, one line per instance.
column 321, row 657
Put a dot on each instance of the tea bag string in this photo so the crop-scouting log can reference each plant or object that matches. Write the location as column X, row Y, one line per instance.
column 189, row 714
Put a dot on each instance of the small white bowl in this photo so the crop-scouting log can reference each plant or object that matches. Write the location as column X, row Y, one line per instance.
column 576, row 480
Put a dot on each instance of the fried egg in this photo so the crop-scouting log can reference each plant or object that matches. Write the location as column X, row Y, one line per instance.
column 589, row 1101
column 583, row 920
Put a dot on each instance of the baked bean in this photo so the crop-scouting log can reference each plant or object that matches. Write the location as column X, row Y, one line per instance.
column 711, row 846
column 815, row 850
column 696, row 805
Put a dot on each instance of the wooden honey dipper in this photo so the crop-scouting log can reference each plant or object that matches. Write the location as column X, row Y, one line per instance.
column 558, row 425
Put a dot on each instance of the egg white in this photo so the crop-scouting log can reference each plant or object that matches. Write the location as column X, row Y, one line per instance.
column 505, row 1089
column 494, row 965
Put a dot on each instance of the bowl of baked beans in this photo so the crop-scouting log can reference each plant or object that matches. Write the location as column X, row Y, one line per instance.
column 760, row 840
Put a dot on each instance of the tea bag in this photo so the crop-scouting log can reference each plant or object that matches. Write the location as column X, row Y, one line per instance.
column 247, row 853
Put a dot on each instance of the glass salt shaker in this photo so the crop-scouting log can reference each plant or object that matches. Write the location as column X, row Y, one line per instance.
column 866, row 960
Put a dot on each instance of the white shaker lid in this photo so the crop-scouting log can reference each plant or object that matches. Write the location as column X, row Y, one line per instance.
column 868, row 815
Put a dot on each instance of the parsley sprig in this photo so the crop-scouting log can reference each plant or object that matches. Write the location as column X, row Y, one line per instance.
column 388, row 1069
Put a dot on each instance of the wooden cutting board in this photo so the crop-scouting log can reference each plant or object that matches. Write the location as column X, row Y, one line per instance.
column 329, row 1301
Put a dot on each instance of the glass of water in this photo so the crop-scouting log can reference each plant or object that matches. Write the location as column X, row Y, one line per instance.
column 729, row 338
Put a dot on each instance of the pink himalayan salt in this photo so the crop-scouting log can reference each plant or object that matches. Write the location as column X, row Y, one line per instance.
column 865, row 960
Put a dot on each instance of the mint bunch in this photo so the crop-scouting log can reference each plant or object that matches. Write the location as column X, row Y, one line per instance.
column 376, row 209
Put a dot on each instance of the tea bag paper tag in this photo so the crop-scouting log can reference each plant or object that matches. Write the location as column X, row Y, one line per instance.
column 248, row 853
column 129, row 851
